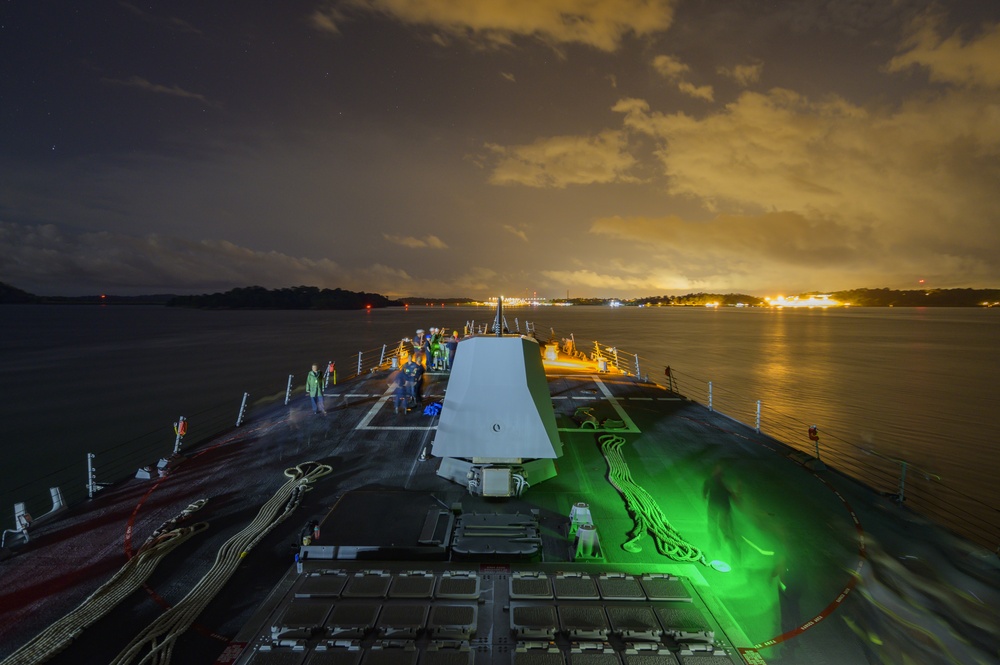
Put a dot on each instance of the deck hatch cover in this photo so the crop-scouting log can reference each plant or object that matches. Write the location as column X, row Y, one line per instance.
column 459, row 584
column 664, row 587
column 414, row 584
column 322, row 584
column 439, row 653
column 616, row 586
column 575, row 586
column 584, row 622
column 454, row 622
column 685, row 623
column 533, row 621
column 535, row 585
column 368, row 584
column 402, row 621
column 334, row 655
column 391, row 655
column 352, row 619
column 634, row 622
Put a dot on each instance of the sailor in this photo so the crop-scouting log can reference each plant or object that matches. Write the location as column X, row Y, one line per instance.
column 397, row 381
column 436, row 350
column 418, row 345
column 428, row 357
column 452, row 346
column 413, row 377
column 314, row 388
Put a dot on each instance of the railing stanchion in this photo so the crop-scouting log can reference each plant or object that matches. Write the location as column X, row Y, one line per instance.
column 637, row 374
column 243, row 410
column 180, row 429
column 757, row 427
column 359, row 363
column 902, row 484
column 288, row 390
column 710, row 396
column 381, row 361
column 91, row 478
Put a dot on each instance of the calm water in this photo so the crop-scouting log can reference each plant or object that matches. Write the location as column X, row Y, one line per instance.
column 910, row 383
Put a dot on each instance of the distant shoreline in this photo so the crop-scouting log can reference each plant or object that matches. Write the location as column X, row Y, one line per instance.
column 313, row 298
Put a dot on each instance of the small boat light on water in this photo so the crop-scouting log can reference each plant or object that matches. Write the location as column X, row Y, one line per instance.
column 720, row 566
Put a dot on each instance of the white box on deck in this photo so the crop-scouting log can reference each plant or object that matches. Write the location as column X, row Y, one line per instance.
column 498, row 403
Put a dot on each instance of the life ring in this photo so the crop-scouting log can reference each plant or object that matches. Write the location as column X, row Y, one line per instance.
column 813, row 433
column 181, row 427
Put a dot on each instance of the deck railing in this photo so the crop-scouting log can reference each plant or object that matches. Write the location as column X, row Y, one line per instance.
column 897, row 479
column 81, row 479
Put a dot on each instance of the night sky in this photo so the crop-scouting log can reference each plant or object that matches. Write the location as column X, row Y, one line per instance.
column 607, row 148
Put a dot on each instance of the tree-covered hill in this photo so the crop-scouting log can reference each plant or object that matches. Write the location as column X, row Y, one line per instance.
column 298, row 297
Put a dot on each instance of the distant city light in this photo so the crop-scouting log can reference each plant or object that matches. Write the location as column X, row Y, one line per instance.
column 816, row 300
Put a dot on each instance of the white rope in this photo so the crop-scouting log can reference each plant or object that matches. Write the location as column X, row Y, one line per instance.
column 161, row 635
column 130, row 577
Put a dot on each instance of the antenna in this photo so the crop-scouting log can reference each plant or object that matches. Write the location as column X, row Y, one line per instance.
column 498, row 322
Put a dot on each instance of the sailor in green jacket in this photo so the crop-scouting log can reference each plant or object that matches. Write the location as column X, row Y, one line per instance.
column 314, row 388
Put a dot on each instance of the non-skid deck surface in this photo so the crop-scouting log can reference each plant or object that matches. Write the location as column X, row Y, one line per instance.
column 787, row 527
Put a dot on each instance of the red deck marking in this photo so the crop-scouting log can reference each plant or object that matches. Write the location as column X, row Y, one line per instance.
column 129, row 553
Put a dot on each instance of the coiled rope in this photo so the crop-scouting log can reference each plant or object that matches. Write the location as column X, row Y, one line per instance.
column 646, row 514
column 129, row 577
column 161, row 635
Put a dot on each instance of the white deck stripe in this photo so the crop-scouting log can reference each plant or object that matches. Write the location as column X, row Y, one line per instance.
column 376, row 407
column 617, row 407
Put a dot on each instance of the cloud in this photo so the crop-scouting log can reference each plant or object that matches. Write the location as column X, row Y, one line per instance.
column 919, row 178
column 744, row 75
column 670, row 67
column 43, row 258
column 39, row 256
column 174, row 90
column 698, row 92
column 674, row 70
column 565, row 160
column 519, row 232
column 428, row 242
column 328, row 19
column 171, row 22
column 602, row 24
column 974, row 62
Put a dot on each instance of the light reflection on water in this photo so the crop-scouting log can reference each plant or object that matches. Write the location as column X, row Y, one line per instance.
column 913, row 383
